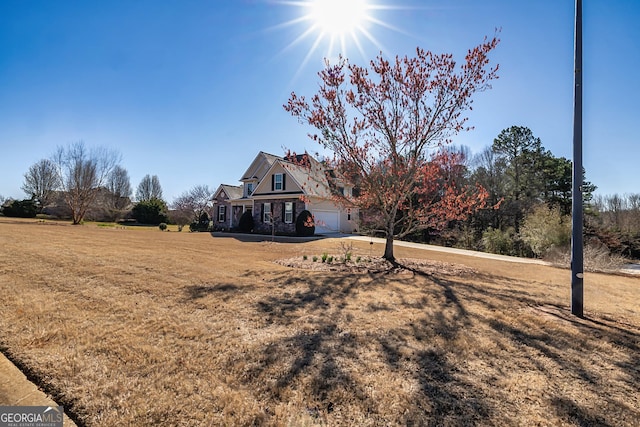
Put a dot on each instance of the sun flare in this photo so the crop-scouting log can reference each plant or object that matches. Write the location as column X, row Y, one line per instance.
column 337, row 27
column 337, row 18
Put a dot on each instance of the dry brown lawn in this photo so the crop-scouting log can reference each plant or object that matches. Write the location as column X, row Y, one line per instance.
column 125, row 327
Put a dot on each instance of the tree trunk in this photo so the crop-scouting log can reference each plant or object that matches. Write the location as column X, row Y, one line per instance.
column 388, row 248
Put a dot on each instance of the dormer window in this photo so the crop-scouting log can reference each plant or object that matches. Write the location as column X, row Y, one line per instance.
column 249, row 188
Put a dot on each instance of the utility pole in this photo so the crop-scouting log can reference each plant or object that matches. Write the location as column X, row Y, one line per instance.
column 577, row 244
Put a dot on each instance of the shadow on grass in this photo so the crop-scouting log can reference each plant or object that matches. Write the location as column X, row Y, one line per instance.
column 431, row 350
column 567, row 409
column 225, row 291
column 317, row 354
column 247, row 237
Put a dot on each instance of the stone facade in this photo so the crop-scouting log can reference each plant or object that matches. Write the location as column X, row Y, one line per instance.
column 221, row 223
column 277, row 212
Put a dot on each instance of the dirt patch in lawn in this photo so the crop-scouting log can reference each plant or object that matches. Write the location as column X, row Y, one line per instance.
column 128, row 327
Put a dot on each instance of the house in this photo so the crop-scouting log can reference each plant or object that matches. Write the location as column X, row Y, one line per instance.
column 276, row 189
column 221, row 215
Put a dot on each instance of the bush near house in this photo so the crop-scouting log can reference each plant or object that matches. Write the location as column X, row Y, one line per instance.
column 304, row 224
column 202, row 224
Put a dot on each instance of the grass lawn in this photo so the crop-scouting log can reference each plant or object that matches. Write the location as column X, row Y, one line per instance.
column 128, row 327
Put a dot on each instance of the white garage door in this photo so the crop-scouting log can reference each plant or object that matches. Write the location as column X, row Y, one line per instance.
column 326, row 222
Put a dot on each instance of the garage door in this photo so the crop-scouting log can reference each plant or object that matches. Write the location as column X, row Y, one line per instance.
column 326, row 222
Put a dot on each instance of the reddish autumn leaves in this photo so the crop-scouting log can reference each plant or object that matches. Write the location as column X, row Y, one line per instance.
column 386, row 125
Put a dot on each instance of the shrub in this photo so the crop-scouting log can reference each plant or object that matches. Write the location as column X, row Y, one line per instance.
column 596, row 257
column 162, row 226
column 246, row 222
column 347, row 250
column 545, row 228
column 202, row 224
column 324, row 257
column 304, row 224
column 497, row 241
column 151, row 212
column 315, row 258
column 21, row 209
column 180, row 218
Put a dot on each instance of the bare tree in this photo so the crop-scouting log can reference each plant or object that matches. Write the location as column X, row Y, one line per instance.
column 41, row 181
column 180, row 217
column 119, row 187
column 194, row 202
column 620, row 213
column 82, row 172
column 149, row 188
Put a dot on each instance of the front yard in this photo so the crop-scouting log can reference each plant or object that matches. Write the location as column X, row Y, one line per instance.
column 125, row 327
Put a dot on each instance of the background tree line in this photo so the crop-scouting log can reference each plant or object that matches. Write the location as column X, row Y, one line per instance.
column 81, row 183
column 527, row 209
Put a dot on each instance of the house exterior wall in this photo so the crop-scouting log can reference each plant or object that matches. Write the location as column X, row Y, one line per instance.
column 277, row 212
column 266, row 185
column 221, row 200
column 348, row 217
column 349, row 220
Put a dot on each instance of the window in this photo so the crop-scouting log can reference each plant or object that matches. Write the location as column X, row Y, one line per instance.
column 222, row 213
column 249, row 188
column 278, row 182
column 266, row 214
column 288, row 212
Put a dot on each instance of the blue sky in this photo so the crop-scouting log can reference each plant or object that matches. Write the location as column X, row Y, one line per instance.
column 191, row 90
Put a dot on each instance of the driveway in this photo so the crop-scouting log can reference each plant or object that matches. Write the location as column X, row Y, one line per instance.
column 451, row 250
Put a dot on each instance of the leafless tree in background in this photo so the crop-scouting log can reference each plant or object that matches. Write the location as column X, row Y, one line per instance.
column 194, row 202
column 149, row 188
column 41, row 181
column 119, row 186
column 82, row 173
column 619, row 213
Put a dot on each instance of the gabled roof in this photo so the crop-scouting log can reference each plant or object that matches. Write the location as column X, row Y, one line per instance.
column 259, row 167
column 308, row 176
column 312, row 178
column 232, row 191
